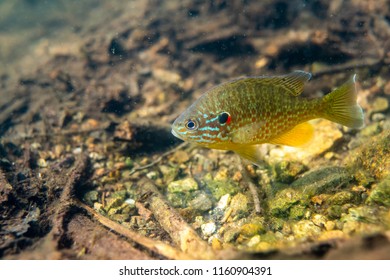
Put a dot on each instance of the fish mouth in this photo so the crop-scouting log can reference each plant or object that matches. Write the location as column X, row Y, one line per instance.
column 175, row 134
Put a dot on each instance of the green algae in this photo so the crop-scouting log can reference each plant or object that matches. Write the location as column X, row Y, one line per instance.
column 322, row 180
column 286, row 171
column 281, row 204
column 381, row 193
column 372, row 160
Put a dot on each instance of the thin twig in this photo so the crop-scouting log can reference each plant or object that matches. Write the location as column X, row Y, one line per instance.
column 251, row 186
column 153, row 245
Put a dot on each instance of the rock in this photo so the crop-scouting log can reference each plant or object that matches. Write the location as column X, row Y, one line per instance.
column 223, row 202
column 372, row 129
column 249, row 230
column 41, row 162
column 286, row 171
column 231, row 234
column 253, row 227
column 341, row 198
column 364, row 213
column 180, row 156
column 283, row 201
column 306, row 229
column 201, row 202
column 297, row 212
column 254, row 241
column 152, row 175
column 91, row 197
column 322, row 180
column 208, row 229
column 319, row 220
column 381, row 193
column 167, row 76
column 239, row 205
column 373, row 158
column 332, row 234
column 380, row 104
column 98, row 206
column 220, row 188
column 169, row 173
column 216, row 244
column 222, row 174
column 185, row 185
column 377, row 117
column 277, row 223
column 334, row 211
column 113, row 202
column 330, row 225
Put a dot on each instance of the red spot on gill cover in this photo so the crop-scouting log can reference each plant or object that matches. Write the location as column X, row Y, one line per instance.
column 229, row 119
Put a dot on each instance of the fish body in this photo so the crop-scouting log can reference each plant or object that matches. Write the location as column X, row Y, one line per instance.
column 241, row 114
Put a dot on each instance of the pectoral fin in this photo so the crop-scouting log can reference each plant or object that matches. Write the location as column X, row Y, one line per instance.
column 298, row 136
column 251, row 153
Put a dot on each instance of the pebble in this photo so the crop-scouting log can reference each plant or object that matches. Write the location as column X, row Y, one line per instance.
column 381, row 193
column 239, row 204
column 208, row 229
column 321, row 180
column 380, row 104
column 185, row 185
column 152, row 175
column 330, row 225
column 305, row 229
column 223, row 201
column 237, row 176
column 113, row 202
column 341, row 198
column 222, row 174
column 97, row 206
column 332, row 234
column 180, row 156
column 91, row 196
column 130, row 201
column 319, row 220
column 167, row 76
column 249, row 230
column 280, row 205
column 201, row 202
column 77, row 151
column 254, row 241
column 42, row 163
column 376, row 117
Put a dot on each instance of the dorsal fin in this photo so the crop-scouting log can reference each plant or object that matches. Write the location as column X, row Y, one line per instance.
column 294, row 82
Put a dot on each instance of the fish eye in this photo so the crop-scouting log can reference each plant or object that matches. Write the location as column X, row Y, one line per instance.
column 191, row 124
column 224, row 118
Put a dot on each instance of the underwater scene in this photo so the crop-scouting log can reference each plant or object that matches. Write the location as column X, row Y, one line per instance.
column 152, row 129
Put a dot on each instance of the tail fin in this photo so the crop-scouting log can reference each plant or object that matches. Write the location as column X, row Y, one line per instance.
column 341, row 106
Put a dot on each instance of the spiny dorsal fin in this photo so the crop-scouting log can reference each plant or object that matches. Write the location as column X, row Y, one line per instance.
column 298, row 136
column 293, row 82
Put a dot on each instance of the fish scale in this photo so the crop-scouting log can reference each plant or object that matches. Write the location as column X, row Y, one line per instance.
column 246, row 112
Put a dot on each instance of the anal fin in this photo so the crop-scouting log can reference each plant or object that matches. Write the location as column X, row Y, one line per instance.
column 298, row 136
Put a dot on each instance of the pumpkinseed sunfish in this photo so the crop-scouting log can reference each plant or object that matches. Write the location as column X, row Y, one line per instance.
column 243, row 113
